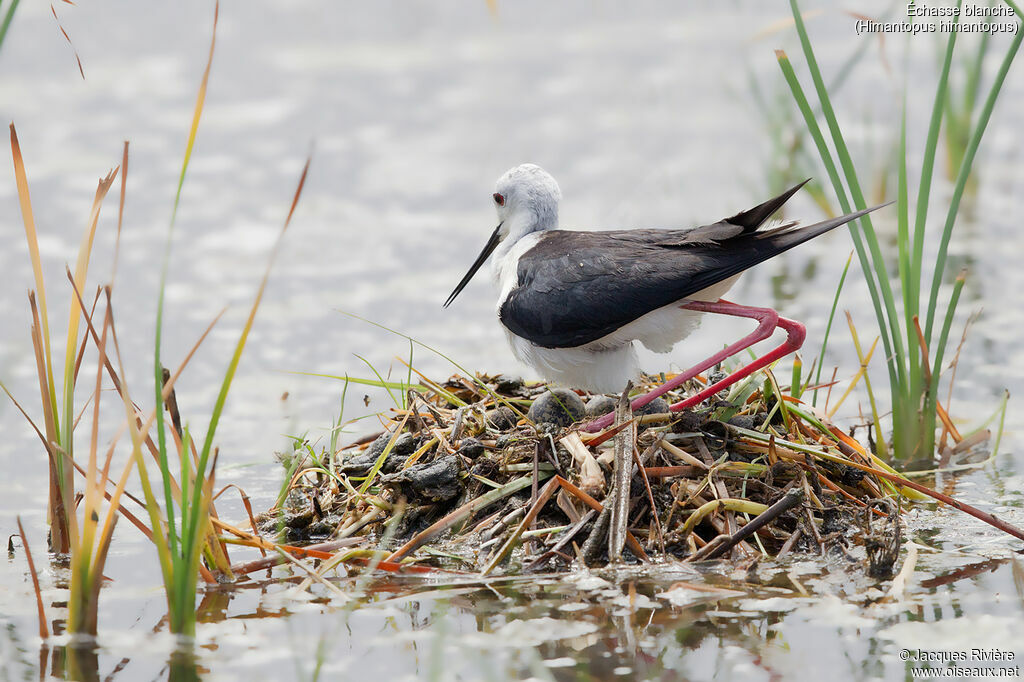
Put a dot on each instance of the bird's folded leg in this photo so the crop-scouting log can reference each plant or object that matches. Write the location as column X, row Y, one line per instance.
column 768, row 322
column 796, row 332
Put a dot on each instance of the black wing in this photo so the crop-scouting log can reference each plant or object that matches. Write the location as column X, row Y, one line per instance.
column 576, row 287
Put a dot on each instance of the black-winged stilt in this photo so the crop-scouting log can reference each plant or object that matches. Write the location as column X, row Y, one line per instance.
column 573, row 303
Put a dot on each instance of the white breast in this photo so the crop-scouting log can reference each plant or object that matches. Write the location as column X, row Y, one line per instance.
column 505, row 268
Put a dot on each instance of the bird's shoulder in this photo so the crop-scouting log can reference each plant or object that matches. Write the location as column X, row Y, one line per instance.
column 558, row 242
column 615, row 246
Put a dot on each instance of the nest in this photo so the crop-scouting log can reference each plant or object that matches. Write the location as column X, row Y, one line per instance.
column 489, row 472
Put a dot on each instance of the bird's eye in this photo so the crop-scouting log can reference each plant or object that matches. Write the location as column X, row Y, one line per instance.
column 499, row 199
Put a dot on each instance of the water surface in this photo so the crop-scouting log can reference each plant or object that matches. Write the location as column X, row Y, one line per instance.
column 645, row 114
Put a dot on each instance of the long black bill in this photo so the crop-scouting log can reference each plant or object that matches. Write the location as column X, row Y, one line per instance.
column 492, row 243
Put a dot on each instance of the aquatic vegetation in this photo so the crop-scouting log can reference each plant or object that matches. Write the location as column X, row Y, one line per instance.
column 59, row 413
column 5, row 24
column 914, row 357
column 79, row 531
column 466, row 472
column 470, row 490
column 182, row 524
column 182, row 527
column 791, row 157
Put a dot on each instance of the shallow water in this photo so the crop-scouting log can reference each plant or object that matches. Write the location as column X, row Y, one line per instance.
column 645, row 116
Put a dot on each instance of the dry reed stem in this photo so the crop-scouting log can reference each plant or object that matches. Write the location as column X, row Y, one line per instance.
column 44, row 630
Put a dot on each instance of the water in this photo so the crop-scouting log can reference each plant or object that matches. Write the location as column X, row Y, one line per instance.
column 645, row 116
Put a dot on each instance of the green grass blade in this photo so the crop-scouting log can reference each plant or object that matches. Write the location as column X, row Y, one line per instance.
column 164, row 461
column 958, row 121
column 386, row 385
column 379, row 462
column 880, row 445
column 74, row 321
column 1002, row 424
column 236, row 357
column 193, row 517
column 152, row 506
column 828, row 326
column 408, row 373
column 7, row 20
column 469, row 375
column 846, row 162
column 337, row 426
column 862, row 255
column 32, row 239
column 939, row 350
column 374, row 383
column 192, row 543
column 903, row 248
column 240, row 346
column 813, row 128
column 961, row 180
column 928, row 166
column 184, row 496
column 795, row 389
column 158, row 369
column 196, row 116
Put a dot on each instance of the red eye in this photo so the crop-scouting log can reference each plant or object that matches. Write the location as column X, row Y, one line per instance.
column 498, row 199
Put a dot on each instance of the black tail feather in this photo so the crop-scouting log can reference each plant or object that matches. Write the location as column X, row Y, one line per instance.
column 752, row 218
column 756, row 247
column 798, row 235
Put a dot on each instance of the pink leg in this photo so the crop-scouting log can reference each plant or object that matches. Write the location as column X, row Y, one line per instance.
column 768, row 321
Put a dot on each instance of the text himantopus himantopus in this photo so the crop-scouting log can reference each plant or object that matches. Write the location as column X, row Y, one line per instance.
column 573, row 303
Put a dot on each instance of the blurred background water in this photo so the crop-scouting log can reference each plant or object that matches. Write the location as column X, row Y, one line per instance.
column 645, row 113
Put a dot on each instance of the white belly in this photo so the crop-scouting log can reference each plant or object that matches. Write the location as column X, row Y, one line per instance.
column 605, row 365
column 598, row 370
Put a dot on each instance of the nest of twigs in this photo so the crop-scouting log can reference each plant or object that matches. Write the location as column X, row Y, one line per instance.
column 488, row 472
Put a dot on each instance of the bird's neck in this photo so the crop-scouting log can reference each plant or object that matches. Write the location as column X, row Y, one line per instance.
column 524, row 223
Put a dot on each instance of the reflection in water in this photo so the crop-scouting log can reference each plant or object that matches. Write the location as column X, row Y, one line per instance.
column 78, row 661
column 664, row 622
column 83, row 660
column 183, row 666
column 394, row 98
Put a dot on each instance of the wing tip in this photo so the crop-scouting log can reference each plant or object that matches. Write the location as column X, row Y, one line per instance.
column 754, row 217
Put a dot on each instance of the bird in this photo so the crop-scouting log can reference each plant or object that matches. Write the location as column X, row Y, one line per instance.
column 574, row 304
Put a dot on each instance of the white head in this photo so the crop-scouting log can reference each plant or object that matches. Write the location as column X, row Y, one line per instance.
column 526, row 199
